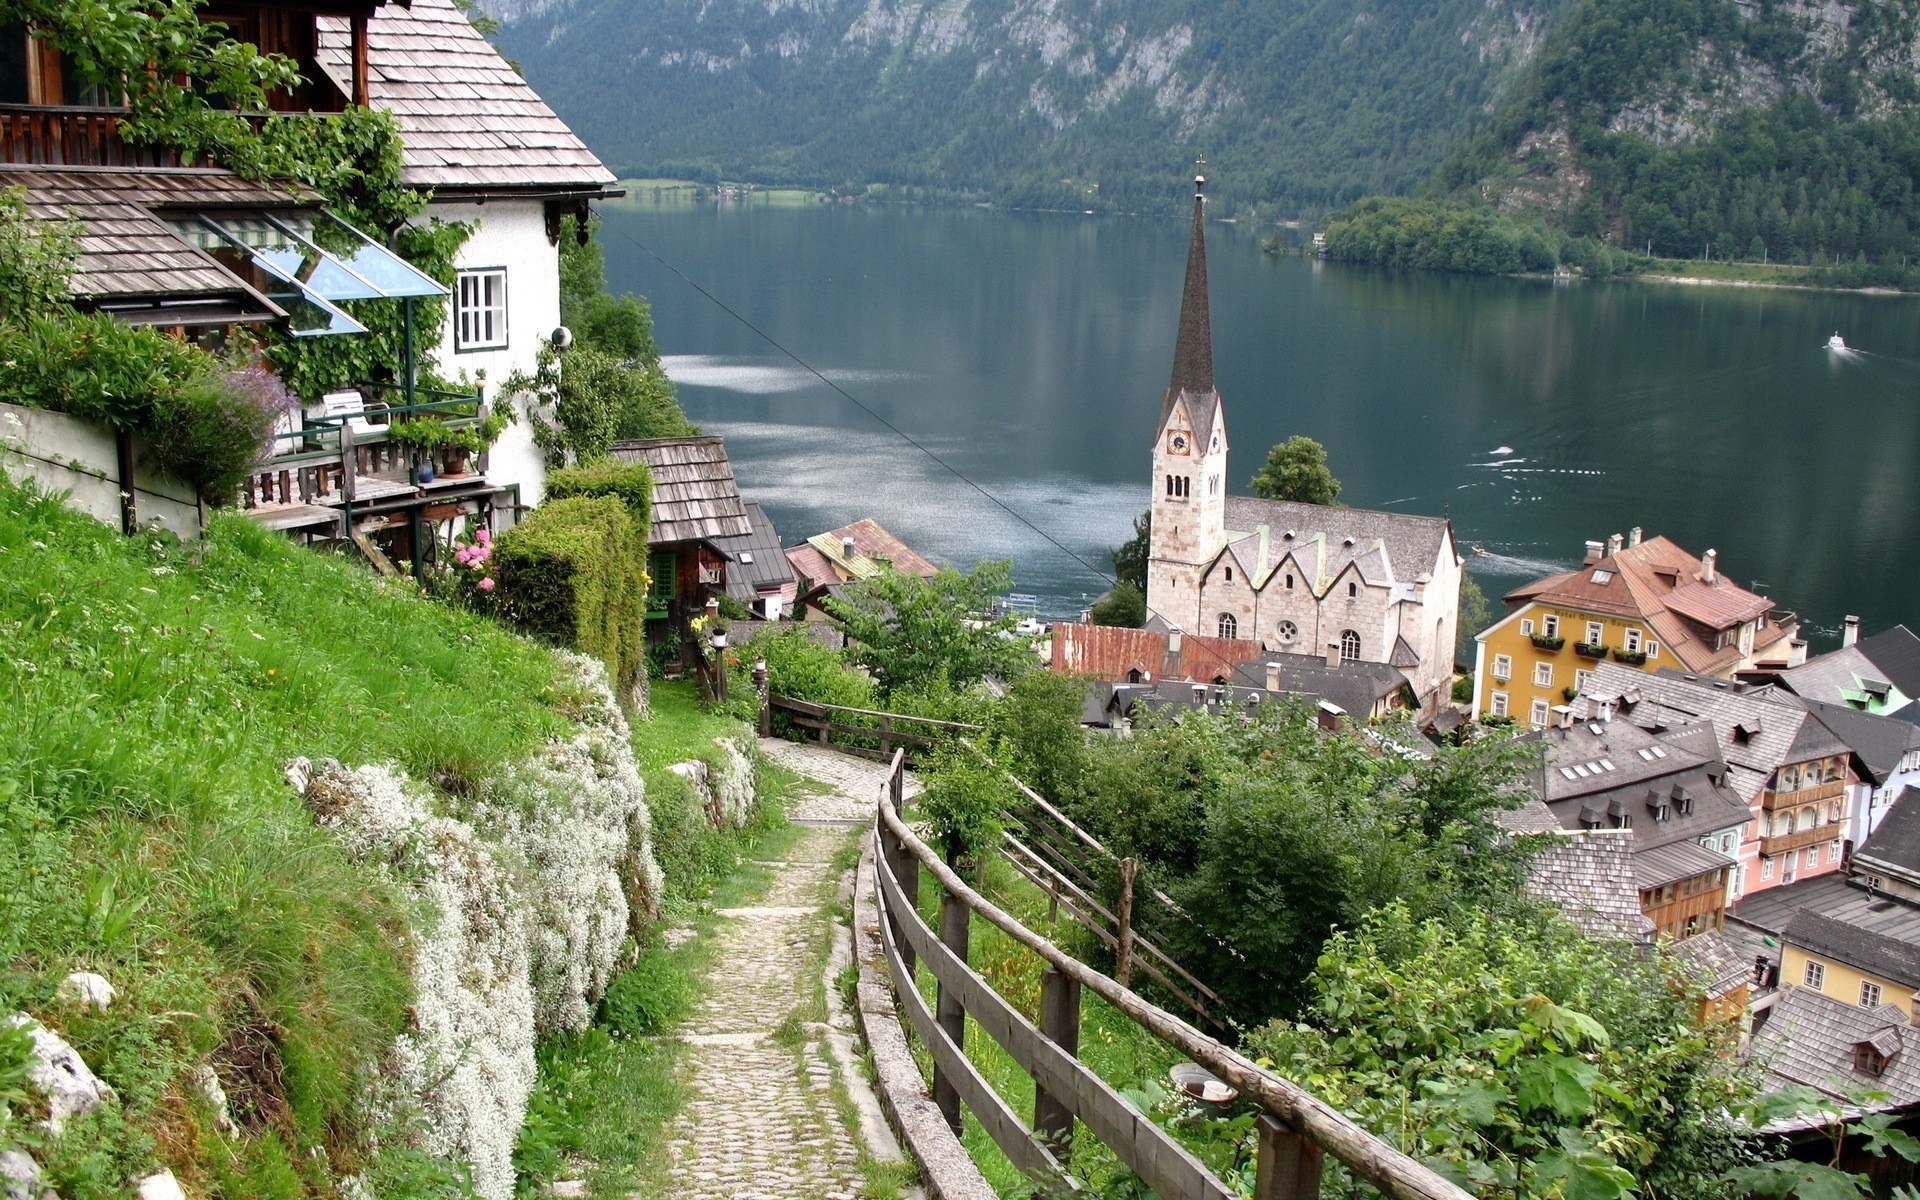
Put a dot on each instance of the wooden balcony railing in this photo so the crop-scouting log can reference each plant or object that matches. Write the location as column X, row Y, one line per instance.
column 1816, row 794
column 1787, row 842
column 48, row 136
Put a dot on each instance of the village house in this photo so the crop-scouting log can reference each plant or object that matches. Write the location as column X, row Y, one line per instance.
column 1642, row 603
column 1878, row 675
column 697, row 512
column 826, row 562
column 1374, row 587
column 1671, row 792
column 1794, row 773
column 758, row 573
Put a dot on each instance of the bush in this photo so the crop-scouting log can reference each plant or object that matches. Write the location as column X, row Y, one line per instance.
column 216, row 429
column 575, row 573
column 630, row 483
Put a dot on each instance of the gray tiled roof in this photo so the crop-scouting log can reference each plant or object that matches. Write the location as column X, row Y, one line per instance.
column 1354, row 687
column 695, row 497
column 1875, row 952
column 1770, row 910
column 1715, row 962
column 1896, row 652
column 759, row 562
column 1831, row 676
column 1832, row 916
column 1618, row 769
column 126, row 248
column 1779, row 730
column 1412, row 543
column 1589, row 877
column 467, row 119
column 1810, row 1039
column 1878, row 743
column 1674, row 861
column 1894, row 845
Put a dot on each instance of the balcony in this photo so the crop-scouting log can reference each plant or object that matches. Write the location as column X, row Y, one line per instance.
column 45, row 135
column 1818, row 794
column 1788, row 842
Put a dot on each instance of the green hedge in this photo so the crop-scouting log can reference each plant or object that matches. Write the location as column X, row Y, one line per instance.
column 630, row 483
column 575, row 573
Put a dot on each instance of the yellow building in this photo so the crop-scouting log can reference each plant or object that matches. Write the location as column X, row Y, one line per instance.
column 1648, row 604
column 1827, row 972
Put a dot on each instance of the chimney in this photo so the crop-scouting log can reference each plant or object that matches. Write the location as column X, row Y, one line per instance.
column 1566, row 715
column 1850, row 631
column 1633, row 536
column 1594, row 551
column 1333, row 654
column 846, row 548
column 1613, row 545
column 1273, row 676
column 1173, row 641
column 1199, row 693
column 1709, row 567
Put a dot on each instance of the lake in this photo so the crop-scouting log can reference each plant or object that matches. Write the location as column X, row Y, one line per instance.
column 1029, row 352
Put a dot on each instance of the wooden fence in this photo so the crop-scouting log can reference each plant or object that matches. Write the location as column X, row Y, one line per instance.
column 1294, row 1130
column 887, row 731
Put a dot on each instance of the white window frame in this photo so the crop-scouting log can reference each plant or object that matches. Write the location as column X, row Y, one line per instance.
column 1766, row 866
column 1814, row 975
column 1550, row 625
column 1497, row 704
column 1526, row 626
column 1596, row 633
column 1503, row 666
column 1630, row 641
column 1653, row 650
column 1833, row 851
column 479, row 321
column 1869, row 994
column 1543, row 674
column 1580, row 679
column 1538, row 713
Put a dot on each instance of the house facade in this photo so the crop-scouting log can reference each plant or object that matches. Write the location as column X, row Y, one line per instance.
column 697, row 513
column 490, row 153
column 1308, row 579
column 1642, row 603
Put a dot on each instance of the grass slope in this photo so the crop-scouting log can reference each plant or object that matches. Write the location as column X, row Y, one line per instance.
column 149, row 694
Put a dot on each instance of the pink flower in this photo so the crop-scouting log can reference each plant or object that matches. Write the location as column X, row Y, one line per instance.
column 486, row 585
column 483, row 536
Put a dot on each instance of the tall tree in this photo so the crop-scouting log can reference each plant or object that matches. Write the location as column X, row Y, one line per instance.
column 1130, row 556
column 1296, row 469
column 915, row 632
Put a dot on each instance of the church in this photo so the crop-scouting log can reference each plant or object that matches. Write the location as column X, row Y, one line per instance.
column 1346, row 584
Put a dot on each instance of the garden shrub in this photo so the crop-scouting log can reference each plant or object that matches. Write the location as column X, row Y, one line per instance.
column 216, row 428
column 575, row 573
column 630, row 483
column 803, row 669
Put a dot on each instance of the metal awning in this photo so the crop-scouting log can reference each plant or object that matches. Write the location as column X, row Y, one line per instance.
column 308, row 261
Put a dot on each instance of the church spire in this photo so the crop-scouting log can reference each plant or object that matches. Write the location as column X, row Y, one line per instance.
column 1193, row 352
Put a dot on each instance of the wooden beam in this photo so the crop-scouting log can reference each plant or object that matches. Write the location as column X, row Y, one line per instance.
column 362, row 73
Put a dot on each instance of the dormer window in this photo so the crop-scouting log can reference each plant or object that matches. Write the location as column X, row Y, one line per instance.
column 1602, row 576
column 1869, row 1061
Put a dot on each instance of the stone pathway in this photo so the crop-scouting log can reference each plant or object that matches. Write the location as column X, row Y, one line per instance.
column 855, row 782
column 762, row 1122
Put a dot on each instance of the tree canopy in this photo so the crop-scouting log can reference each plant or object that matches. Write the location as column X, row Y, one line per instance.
column 1296, row 469
column 933, row 633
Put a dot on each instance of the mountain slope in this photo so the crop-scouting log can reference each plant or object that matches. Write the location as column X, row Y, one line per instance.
column 1787, row 130
column 1076, row 103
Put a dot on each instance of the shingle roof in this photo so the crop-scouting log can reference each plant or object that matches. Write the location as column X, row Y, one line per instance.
column 1604, row 767
column 874, row 550
column 1810, row 1039
column 1896, row 652
column 1878, row 743
column 1779, row 729
column 1659, row 583
column 1871, row 950
column 1589, row 877
column 759, row 564
column 467, row 119
column 1325, row 538
column 1674, row 861
column 1894, row 845
column 1713, row 962
column 1770, row 910
column 126, row 249
column 695, row 497
column 1353, row 687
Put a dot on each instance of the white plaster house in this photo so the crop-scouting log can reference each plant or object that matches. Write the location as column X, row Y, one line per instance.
column 1347, row 584
column 488, row 151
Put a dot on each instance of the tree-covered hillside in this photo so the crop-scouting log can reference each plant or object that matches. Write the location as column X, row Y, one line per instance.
column 1049, row 103
column 1757, row 129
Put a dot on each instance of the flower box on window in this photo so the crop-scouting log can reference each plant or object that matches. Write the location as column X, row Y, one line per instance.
column 1633, row 658
column 1551, row 643
column 1590, row 649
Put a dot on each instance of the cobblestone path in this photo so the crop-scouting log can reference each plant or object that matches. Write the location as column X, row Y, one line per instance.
column 762, row 1121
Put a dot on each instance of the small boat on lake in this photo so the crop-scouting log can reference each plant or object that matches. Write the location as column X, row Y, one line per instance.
column 1837, row 343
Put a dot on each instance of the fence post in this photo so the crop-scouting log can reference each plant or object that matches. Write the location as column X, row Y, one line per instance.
column 1288, row 1167
column 1123, row 950
column 906, row 868
column 1060, row 1022
column 123, row 455
column 948, row 1013
column 886, row 735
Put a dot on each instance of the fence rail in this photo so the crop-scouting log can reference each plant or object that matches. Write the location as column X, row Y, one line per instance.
column 1294, row 1130
column 819, row 719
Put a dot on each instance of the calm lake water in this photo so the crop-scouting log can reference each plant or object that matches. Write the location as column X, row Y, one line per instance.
column 1030, row 351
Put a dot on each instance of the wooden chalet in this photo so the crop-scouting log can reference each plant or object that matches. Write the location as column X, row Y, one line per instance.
column 697, row 509
column 826, row 562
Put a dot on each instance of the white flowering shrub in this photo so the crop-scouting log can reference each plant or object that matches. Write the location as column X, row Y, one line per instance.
column 467, row 1064
column 730, row 782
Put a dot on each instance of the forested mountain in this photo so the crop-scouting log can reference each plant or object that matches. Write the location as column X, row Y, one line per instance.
column 1049, row 103
column 1778, row 129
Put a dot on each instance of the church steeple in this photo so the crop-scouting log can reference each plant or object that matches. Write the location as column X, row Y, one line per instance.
column 1193, row 351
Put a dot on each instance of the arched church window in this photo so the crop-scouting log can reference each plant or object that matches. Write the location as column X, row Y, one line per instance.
column 1229, row 626
column 1349, row 646
column 1353, row 589
column 1288, row 631
column 1229, row 574
column 1289, row 582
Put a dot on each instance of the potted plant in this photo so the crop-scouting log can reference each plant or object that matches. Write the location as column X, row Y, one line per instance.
column 1550, row 642
column 419, row 437
column 1570, row 692
column 1591, row 649
column 458, row 446
column 1633, row 658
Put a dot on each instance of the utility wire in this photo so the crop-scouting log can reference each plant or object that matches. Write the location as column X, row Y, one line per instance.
column 902, row 434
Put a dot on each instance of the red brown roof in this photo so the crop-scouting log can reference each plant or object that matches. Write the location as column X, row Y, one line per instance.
column 1111, row 653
